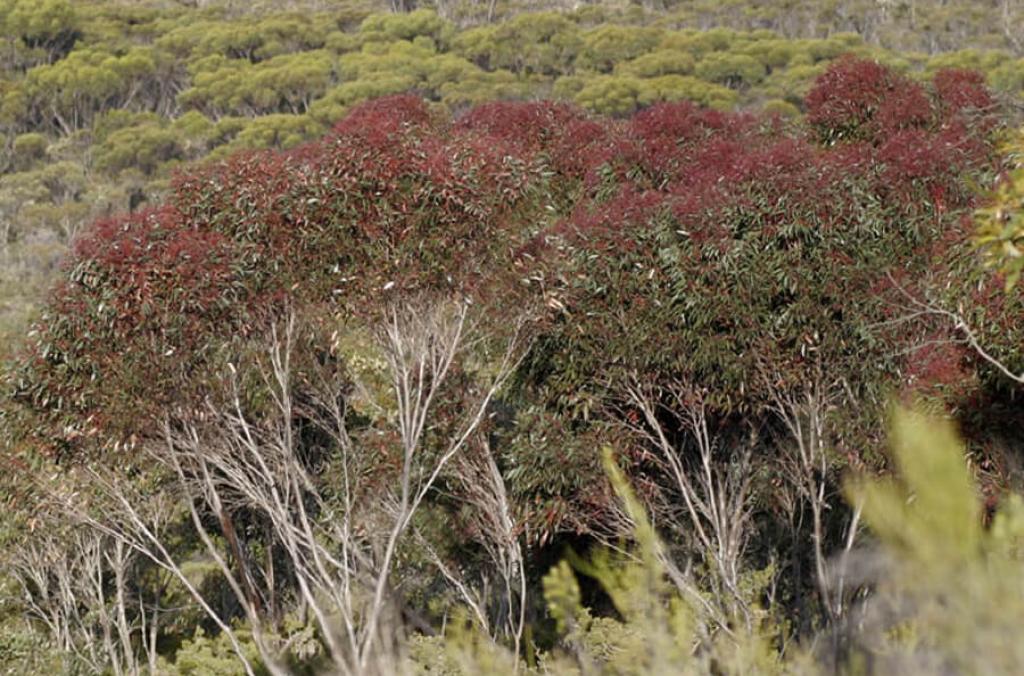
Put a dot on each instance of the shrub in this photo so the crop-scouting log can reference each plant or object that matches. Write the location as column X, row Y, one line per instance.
column 856, row 100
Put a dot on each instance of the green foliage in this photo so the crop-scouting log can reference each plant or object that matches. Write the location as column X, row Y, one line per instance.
column 658, row 625
column 279, row 131
column 461, row 651
column 781, row 108
column 610, row 95
column 931, row 514
column 420, row 23
column 733, row 70
column 23, row 650
column 339, row 99
column 604, row 47
column 662, row 62
column 28, row 148
column 288, row 82
column 1001, row 222
column 661, row 630
column 948, row 598
column 622, row 95
column 144, row 147
column 75, row 89
column 545, row 43
column 202, row 654
column 657, row 628
column 48, row 25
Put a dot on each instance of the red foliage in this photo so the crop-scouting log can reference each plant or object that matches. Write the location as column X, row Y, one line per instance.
column 605, row 224
column 583, row 145
column 141, row 251
column 385, row 119
column 675, row 140
column 905, row 107
column 914, row 155
column 940, row 366
column 848, row 95
column 527, row 126
column 861, row 99
column 960, row 90
column 397, row 197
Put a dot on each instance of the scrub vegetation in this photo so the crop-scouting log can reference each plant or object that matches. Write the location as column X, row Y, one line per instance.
column 466, row 338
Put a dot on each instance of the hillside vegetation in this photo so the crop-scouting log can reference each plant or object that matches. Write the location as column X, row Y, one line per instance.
column 100, row 101
column 498, row 338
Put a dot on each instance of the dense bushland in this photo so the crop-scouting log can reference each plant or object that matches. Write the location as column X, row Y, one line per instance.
column 100, row 101
column 327, row 402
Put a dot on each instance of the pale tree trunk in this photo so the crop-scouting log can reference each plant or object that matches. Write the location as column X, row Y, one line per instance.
column 142, row 530
column 420, row 344
column 918, row 309
column 339, row 543
column 482, row 487
column 341, row 566
column 64, row 576
column 715, row 494
column 804, row 415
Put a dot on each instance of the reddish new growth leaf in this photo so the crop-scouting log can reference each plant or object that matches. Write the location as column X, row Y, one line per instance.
column 385, row 120
column 856, row 99
column 527, row 127
column 733, row 255
column 607, row 223
column 940, row 366
column 961, row 90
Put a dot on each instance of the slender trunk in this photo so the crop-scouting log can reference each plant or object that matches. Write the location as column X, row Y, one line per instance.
column 228, row 528
column 271, row 581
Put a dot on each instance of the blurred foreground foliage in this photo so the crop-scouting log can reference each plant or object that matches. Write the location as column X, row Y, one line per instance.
column 945, row 591
column 1001, row 221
